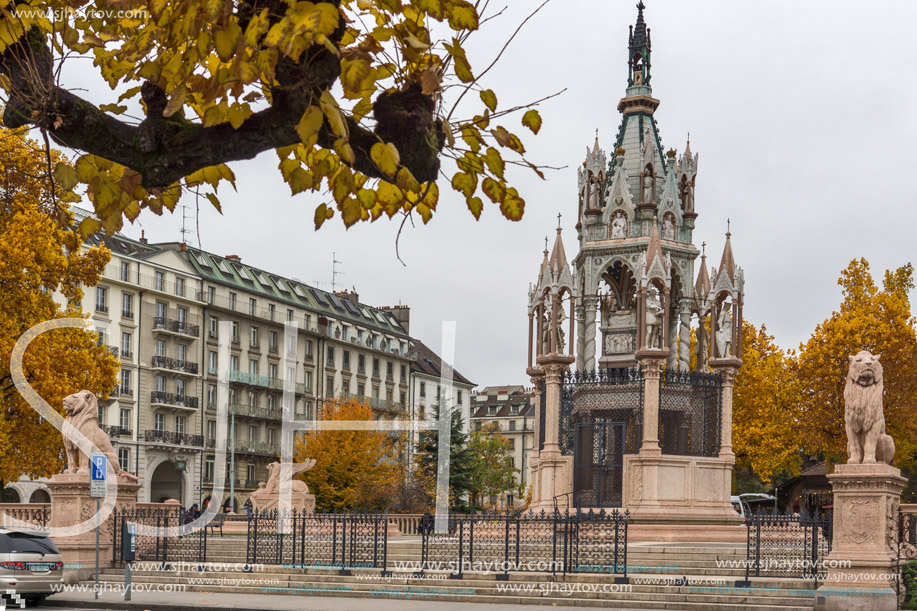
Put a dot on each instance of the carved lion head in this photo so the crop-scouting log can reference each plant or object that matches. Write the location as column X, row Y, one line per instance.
column 865, row 369
column 83, row 402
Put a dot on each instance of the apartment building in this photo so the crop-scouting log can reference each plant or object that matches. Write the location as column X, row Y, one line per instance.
column 430, row 387
column 512, row 410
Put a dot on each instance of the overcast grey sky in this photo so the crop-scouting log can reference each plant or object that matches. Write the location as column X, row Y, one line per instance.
column 803, row 114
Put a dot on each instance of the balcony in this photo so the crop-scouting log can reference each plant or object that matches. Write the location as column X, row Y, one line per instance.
column 176, row 327
column 377, row 404
column 254, row 379
column 127, row 354
column 173, row 365
column 115, row 392
column 257, row 447
column 125, row 392
column 160, row 398
column 101, row 307
column 127, row 314
column 173, row 438
column 112, row 350
column 253, row 411
column 116, row 431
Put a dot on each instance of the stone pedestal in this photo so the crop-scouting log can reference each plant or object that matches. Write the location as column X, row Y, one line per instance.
column 263, row 500
column 70, row 505
column 553, row 472
column 863, row 557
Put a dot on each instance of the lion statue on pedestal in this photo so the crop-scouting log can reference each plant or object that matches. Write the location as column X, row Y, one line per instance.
column 865, row 422
column 82, row 411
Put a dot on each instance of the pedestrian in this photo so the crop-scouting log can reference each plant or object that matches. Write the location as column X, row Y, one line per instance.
column 248, row 507
column 796, row 505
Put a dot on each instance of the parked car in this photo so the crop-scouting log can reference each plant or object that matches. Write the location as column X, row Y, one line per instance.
column 30, row 564
column 744, row 503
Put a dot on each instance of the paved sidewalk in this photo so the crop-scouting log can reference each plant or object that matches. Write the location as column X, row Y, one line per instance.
column 186, row 601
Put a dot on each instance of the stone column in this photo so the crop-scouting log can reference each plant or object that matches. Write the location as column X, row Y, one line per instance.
column 672, row 361
column 864, row 552
column 580, row 337
column 684, row 339
column 652, row 367
column 554, row 472
column 726, row 369
column 589, row 313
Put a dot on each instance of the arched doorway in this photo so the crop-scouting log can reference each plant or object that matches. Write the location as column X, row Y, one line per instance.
column 165, row 483
column 40, row 496
column 10, row 495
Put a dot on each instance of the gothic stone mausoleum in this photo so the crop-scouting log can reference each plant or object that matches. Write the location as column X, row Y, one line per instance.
column 643, row 421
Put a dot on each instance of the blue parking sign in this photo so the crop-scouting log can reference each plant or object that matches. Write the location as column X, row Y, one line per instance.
column 98, row 467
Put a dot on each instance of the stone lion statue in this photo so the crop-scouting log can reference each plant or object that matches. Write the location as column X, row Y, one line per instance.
column 82, row 411
column 273, row 478
column 863, row 416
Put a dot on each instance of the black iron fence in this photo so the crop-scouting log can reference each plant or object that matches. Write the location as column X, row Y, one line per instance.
column 608, row 394
column 787, row 545
column 189, row 548
column 555, row 542
column 906, row 540
column 689, row 413
column 319, row 540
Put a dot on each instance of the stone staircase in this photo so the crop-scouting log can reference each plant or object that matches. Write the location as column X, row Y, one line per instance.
column 683, row 577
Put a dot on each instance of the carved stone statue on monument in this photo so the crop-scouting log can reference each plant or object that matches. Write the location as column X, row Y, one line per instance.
column 268, row 494
column 619, row 225
column 561, row 337
column 653, row 320
column 863, row 415
column 724, row 333
column 668, row 228
column 82, row 411
column 689, row 196
column 648, row 186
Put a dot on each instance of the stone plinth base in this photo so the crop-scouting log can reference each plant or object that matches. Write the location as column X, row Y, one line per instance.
column 864, row 544
column 681, row 493
column 552, row 475
column 678, row 532
column 70, row 505
column 263, row 500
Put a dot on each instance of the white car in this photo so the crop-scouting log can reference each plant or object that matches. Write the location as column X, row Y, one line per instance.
column 743, row 502
column 30, row 564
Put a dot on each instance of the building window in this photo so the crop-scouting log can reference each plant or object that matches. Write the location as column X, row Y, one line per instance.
column 308, row 381
column 512, row 425
column 127, row 305
column 235, row 332
column 160, row 347
column 251, row 473
column 101, row 299
column 331, row 355
column 180, row 287
column 375, row 367
column 160, row 310
column 211, row 429
column 253, row 366
column 211, row 394
column 404, row 373
column 403, row 402
column 212, row 361
column 159, row 422
column 181, row 352
column 127, row 341
column 346, row 363
column 214, row 327
column 272, row 341
column 125, row 422
column 252, row 434
column 309, row 349
column 126, row 382
column 459, row 396
column 271, row 401
column 329, row 386
column 388, row 371
column 180, row 387
column 423, row 389
column 125, row 271
column 232, row 301
column 289, row 315
column 208, row 468
column 124, row 458
column 272, row 436
column 211, row 294
column 252, row 399
column 252, row 305
column 361, row 363
column 100, row 413
column 388, row 395
column 179, row 424
column 361, row 390
column 346, row 385
column 182, row 315
column 272, row 370
column 253, row 336
column 271, row 308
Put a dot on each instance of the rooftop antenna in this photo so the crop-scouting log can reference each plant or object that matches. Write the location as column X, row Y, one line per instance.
column 334, row 272
column 184, row 223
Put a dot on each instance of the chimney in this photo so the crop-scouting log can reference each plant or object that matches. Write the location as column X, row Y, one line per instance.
column 143, row 239
column 402, row 314
column 352, row 296
column 235, row 258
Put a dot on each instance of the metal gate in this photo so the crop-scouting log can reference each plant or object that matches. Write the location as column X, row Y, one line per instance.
column 598, row 463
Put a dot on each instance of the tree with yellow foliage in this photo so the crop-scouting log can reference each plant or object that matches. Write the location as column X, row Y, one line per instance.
column 766, row 407
column 870, row 318
column 358, row 98
column 354, row 470
column 40, row 254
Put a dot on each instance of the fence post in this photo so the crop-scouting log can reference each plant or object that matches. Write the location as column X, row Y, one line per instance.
column 747, row 582
column 458, row 575
column 344, row 520
column 505, row 575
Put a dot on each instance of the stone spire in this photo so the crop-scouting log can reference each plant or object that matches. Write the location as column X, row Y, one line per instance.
column 558, row 260
column 727, row 263
column 639, row 46
column 654, row 249
column 703, row 284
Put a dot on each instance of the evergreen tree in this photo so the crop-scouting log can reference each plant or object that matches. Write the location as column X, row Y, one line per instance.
column 460, row 461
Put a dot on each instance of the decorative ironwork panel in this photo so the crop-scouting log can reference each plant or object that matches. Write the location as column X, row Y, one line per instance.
column 190, row 547
column 790, row 545
column 613, row 395
column 689, row 413
column 543, row 542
